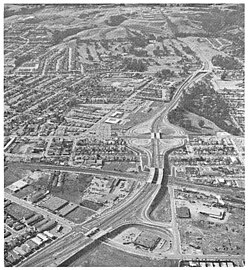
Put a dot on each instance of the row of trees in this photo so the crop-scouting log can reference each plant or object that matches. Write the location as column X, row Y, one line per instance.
column 228, row 63
column 115, row 20
column 165, row 74
column 58, row 35
column 138, row 53
column 134, row 64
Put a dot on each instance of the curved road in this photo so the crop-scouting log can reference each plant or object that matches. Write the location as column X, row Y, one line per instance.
column 157, row 162
column 133, row 209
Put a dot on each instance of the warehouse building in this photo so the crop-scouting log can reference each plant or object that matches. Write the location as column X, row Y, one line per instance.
column 48, row 226
column 17, row 186
column 31, row 221
column 15, row 255
column 32, row 245
column 20, row 251
column 49, row 235
column 43, row 237
column 183, row 212
column 37, row 241
column 147, row 240
column 28, row 215
column 214, row 213
column 112, row 121
column 40, row 223
column 26, row 249
column 36, row 197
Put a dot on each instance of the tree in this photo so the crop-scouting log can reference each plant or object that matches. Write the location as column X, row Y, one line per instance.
column 165, row 74
column 201, row 123
column 115, row 20
column 223, row 76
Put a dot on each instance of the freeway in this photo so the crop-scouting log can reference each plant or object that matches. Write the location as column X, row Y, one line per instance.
column 162, row 118
column 119, row 217
column 157, row 162
column 127, row 212
column 176, row 98
column 60, row 250
column 132, row 210
column 176, row 235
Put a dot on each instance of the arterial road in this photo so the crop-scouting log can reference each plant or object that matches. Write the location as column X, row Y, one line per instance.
column 134, row 210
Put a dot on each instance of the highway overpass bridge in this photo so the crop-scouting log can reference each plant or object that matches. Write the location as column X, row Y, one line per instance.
column 61, row 251
column 76, row 241
column 67, row 249
column 153, row 135
column 103, row 234
column 157, row 176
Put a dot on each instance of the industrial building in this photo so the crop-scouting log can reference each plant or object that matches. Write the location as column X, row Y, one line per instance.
column 147, row 240
column 17, row 186
column 214, row 213
column 183, row 212
column 34, row 198
column 112, row 120
column 34, row 219
column 48, row 226
column 40, row 223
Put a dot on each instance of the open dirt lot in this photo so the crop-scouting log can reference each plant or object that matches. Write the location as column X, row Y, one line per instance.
column 106, row 256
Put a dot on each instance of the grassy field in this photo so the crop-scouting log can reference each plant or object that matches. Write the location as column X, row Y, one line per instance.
column 208, row 128
column 41, row 181
column 79, row 215
column 119, row 166
column 91, row 205
column 12, row 174
column 167, row 131
column 140, row 116
column 24, row 192
column 106, row 256
column 23, row 148
column 73, row 187
column 162, row 211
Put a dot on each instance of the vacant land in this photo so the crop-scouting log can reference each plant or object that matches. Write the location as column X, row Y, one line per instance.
column 12, row 174
column 167, row 131
column 91, row 205
column 106, row 256
column 162, row 211
column 120, row 166
column 190, row 122
column 41, row 182
column 24, row 192
column 142, row 116
column 73, row 187
column 79, row 215
column 208, row 128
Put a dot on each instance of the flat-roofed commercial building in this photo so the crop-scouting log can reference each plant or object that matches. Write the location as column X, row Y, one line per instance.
column 147, row 240
column 214, row 213
column 183, row 212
